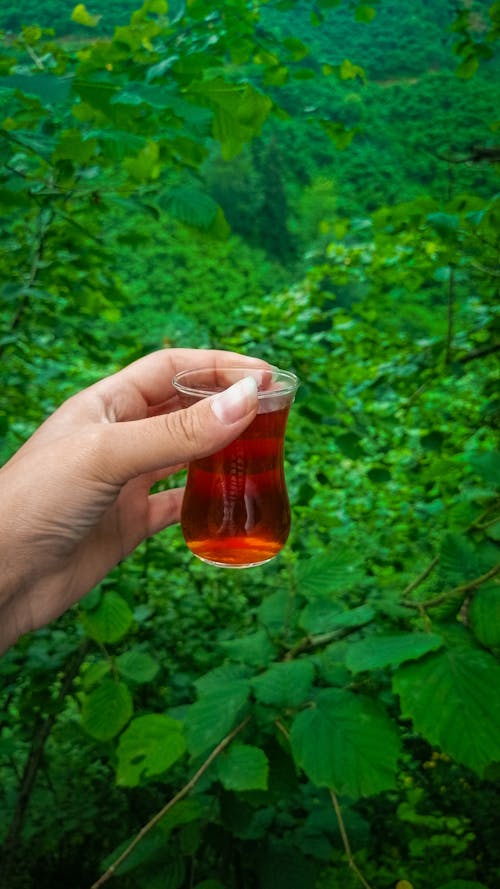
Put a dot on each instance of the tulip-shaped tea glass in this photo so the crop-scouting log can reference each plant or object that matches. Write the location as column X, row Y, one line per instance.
column 236, row 512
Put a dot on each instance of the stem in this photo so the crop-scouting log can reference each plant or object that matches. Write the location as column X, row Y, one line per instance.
column 345, row 840
column 308, row 642
column 171, row 803
column 421, row 577
column 462, row 588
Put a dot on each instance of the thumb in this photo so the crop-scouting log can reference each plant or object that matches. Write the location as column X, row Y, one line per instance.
column 141, row 446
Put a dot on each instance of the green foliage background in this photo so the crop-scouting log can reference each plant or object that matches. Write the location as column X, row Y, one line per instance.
column 315, row 184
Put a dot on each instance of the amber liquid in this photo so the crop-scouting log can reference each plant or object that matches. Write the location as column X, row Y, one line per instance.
column 236, row 511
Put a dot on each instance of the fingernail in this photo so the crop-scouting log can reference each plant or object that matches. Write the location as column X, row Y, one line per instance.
column 234, row 403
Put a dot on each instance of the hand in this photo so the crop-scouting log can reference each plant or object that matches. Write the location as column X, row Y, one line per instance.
column 75, row 499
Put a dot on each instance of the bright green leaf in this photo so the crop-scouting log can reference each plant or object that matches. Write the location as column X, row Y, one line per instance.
column 330, row 574
column 110, row 620
column 83, row 17
column 348, row 743
column 148, row 747
column 137, row 666
column 376, row 652
column 212, row 717
column 348, row 71
column 448, row 695
column 106, row 710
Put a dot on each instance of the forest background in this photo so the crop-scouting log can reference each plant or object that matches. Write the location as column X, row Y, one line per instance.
column 314, row 183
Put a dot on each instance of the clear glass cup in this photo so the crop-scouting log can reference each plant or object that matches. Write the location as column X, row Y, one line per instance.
column 236, row 512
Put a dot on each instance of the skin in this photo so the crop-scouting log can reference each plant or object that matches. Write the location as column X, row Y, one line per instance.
column 75, row 499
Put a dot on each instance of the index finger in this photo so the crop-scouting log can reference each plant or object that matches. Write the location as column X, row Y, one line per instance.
column 147, row 382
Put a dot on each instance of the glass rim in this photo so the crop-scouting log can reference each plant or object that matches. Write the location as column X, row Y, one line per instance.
column 290, row 380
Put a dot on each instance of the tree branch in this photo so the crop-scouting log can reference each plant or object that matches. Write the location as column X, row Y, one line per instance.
column 171, row 803
column 461, row 588
column 345, row 840
column 421, row 577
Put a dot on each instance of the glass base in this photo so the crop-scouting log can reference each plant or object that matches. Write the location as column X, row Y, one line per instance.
column 233, row 565
column 235, row 552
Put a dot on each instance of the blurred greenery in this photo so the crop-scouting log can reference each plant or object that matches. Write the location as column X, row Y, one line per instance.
column 315, row 184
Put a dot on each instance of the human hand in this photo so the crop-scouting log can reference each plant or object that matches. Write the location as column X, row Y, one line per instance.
column 75, row 499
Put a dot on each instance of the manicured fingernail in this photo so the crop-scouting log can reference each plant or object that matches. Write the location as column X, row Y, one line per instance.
column 234, row 403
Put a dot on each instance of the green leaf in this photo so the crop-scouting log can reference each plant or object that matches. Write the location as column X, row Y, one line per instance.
column 91, row 674
column 364, row 13
column 72, row 146
column 239, row 112
column 243, row 767
column 445, row 224
column 214, row 715
column 137, row 666
column 484, row 615
column 451, row 698
column 329, row 574
column 148, row 747
column 341, row 135
column 110, row 620
column 286, row 684
column 376, row 652
column 346, row 742
column 83, row 17
column 50, row 89
column 486, row 464
column 184, row 812
column 457, row 559
column 277, row 611
column 145, row 166
column 296, row 48
column 322, row 616
column 331, row 664
column 256, row 649
column 106, row 710
column 192, row 206
column 222, row 675
column 348, row 71
column 468, row 67
column 319, row 615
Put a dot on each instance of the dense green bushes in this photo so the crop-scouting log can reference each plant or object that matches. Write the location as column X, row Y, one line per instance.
column 340, row 701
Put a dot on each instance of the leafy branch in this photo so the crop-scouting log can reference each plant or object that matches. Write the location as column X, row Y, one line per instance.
column 464, row 588
column 171, row 803
column 340, row 820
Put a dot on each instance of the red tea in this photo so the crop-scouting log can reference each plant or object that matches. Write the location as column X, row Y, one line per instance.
column 236, row 510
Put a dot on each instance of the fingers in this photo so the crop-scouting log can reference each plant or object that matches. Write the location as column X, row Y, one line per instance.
column 164, row 509
column 130, row 449
column 151, row 377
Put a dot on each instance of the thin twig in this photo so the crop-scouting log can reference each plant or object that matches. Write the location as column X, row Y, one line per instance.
column 421, row 577
column 171, row 803
column 462, row 588
column 345, row 840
